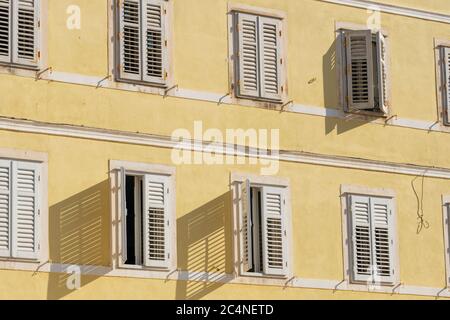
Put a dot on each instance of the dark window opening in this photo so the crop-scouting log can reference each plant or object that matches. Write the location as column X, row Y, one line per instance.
column 134, row 239
column 256, row 230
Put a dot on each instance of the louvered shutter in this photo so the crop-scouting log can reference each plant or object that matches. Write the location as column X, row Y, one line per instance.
column 446, row 87
column 248, row 56
column 246, row 226
column 130, row 40
column 5, row 32
column 361, row 238
column 382, row 73
column 359, row 70
column 270, row 57
column 123, row 213
column 5, row 208
column 25, row 210
column 156, row 221
column 25, row 27
column 274, row 231
column 382, row 240
column 154, row 44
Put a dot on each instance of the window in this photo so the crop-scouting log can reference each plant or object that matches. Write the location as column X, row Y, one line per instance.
column 258, row 57
column 445, row 83
column 263, row 234
column 19, row 23
column 146, row 219
column 19, row 209
column 364, row 71
column 371, row 239
column 143, row 48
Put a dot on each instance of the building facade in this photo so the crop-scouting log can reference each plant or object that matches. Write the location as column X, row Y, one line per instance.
column 199, row 149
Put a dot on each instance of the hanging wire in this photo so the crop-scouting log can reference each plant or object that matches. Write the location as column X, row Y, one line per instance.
column 422, row 223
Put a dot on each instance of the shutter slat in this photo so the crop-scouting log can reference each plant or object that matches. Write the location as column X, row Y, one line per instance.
column 359, row 69
column 446, row 87
column 5, row 22
column 25, row 27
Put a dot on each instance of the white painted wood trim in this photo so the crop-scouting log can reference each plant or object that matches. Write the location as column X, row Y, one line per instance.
column 203, row 146
column 393, row 9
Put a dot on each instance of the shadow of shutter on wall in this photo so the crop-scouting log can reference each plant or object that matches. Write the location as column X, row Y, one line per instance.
column 5, row 208
column 5, row 24
column 270, row 61
column 274, row 232
column 154, row 44
column 360, row 69
column 446, row 90
column 25, row 27
column 156, row 221
column 130, row 40
column 382, row 72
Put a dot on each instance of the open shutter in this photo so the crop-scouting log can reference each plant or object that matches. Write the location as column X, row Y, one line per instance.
column 274, row 231
column 382, row 240
column 5, row 208
column 359, row 69
column 25, row 31
column 446, row 86
column 130, row 40
column 361, row 238
column 123, row 213
column 270, row 61
column 156, row 221
column 248, row 82
column 382, row 73
column 26, row 210
column 246, row 227
column 5, row 31
column 155, row 44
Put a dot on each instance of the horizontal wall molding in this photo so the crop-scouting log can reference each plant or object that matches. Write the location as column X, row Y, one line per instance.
column 29, row 126
column 393, row 9
column 177, row 275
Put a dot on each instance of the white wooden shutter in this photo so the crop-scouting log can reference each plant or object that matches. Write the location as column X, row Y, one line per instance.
column 130, row 40
column 157, row 222
column 246, row 227
column 361, row 238
column 248, row 82
column 446, row 87
column 5, row 31
column 25, row 32
column 26, row 210
column 154, row 45
column 5, row 208
column 359, row 69
column 123, row 213
column 382, row 240
column 382, row 73
column 274, row 231
column 270, row 57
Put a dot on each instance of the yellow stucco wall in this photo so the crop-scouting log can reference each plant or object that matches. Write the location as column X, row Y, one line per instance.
column 78, row 169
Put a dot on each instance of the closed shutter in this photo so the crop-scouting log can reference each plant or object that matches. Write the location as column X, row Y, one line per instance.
column 246, row 227
column 382, row 73
column 274, row 231
column 359, row 70
column 271, row 57
column 25, row 210
column 361, row 238
column 382, row 239
column 155, row 42
column 156, row 221
column 5, row 208
column 25, row 27
column 130, row 40
column 5, row 31
column 248, row 56
column 446, row 90
column 123, row 213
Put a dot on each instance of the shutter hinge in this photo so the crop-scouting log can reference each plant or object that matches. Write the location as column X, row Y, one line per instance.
column 165, row 43
column 39, row 54
column 39, row 246
column 280, row 33
column 168, row 255
column 39, row 212
column 165, row 75
column 39, row 177
column 168, row 223
column 39, row 24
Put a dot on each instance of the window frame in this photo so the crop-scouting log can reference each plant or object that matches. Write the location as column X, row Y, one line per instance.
column 443, row 119
column 237, row 179
column 233, row 74
column 42, row 253
column 341, row 66
column 345, row 192
column 139, row 169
